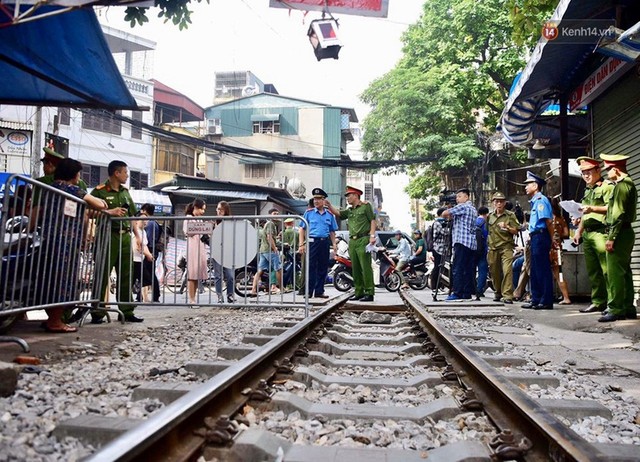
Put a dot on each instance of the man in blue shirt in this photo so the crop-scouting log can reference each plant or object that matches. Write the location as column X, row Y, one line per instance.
column 322, row 230
column 541, row 235
column 463, row 236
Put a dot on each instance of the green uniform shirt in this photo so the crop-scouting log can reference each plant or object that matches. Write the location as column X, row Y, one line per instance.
column 114, row 199
column 622, row 207
column 290, row 236
column 501, row 238
column 48, row 179
column 598, row 195
column 360, row 218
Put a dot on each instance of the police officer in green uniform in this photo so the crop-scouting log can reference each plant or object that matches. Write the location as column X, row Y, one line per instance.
column 120, row 204
column 621, row 212
column 362, row 231
column 592, row 230
column 49, row 163
column 503, row 225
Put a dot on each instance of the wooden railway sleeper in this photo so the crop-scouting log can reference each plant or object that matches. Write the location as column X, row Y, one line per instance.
column 511, row 452
column 469, row 402
column 262, row 393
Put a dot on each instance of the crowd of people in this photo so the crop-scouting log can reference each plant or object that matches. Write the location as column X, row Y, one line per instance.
column 603, row 227
column 518, row 251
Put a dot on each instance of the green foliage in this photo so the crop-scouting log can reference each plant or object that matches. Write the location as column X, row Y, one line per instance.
column 176, row 11
column 458, row 64
column 528, row 17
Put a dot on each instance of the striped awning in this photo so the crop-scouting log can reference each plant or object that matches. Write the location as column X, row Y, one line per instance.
column 624, row 45
column 554, row 68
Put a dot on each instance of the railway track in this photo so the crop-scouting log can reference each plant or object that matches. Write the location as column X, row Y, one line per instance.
column 394, row 385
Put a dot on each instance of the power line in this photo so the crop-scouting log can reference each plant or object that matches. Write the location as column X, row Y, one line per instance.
column 271, row 155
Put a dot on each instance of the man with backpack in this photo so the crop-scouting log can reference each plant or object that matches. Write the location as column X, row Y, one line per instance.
column 437, row 241
column 156, row 246
column 463, row 235
column 482, row 235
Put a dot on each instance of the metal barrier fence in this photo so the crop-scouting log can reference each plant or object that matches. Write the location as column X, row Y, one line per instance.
column 50, row 257
column 57, row 253
column 212, row 261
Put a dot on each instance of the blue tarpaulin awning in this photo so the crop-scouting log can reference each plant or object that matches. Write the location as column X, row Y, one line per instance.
column 554, row 68
column 59, row 60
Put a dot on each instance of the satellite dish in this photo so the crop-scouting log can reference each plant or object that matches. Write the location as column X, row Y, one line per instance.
column 296, row 188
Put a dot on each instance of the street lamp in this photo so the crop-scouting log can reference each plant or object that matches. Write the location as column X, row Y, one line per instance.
column 323, row 35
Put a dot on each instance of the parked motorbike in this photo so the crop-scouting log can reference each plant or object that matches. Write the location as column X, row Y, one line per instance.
column 19, row 250
column 342, row 273
column 244, row 276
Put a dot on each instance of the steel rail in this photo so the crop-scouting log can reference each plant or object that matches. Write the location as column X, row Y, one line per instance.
column 168, row 435
column 507, row 405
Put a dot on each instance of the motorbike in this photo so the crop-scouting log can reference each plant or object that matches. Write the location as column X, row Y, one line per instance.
column 418, row 278
column 244, row 276
column 19, row 252
column 341, row 273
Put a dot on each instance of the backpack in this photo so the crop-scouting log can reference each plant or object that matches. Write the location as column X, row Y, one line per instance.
column 428, row 238
column 481, row 240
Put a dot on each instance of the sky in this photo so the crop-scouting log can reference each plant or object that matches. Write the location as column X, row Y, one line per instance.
column 233, row 35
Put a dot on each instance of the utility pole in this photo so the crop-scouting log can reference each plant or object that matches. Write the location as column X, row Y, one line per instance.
column 36, row 143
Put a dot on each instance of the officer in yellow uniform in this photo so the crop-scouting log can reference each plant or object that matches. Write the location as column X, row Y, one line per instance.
column 592, row 230
column 621, row 212
column 362, row 231
column 503, row 225
column 120, row 204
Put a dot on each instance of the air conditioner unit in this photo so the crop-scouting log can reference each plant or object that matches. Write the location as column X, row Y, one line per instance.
column 215, row 130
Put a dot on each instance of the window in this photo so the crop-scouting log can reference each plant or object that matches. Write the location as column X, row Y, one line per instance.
column 266, row 126
column 136, row 132
column 64, row 116
column 102, row 122
column 175, row 157
column 93, row 175
column 258, row 170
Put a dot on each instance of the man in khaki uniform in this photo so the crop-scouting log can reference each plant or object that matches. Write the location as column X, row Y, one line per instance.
column 120, row 204
column 592, row 230
column 503, row 225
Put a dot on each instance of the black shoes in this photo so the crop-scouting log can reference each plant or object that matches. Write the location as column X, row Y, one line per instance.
column 321, row 296
column 610, row 317
column 231, row 299
column 593, row 309
column 356, row 297
column 367, row 298
column 534, row 306
column 131, row 318
column 506, row 301
column 97, row 320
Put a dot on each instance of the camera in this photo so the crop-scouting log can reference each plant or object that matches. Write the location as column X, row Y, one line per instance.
column 447, row 197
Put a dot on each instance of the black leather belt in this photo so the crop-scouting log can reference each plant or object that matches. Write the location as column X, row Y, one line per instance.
column 596, row 229
column 312, row 239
